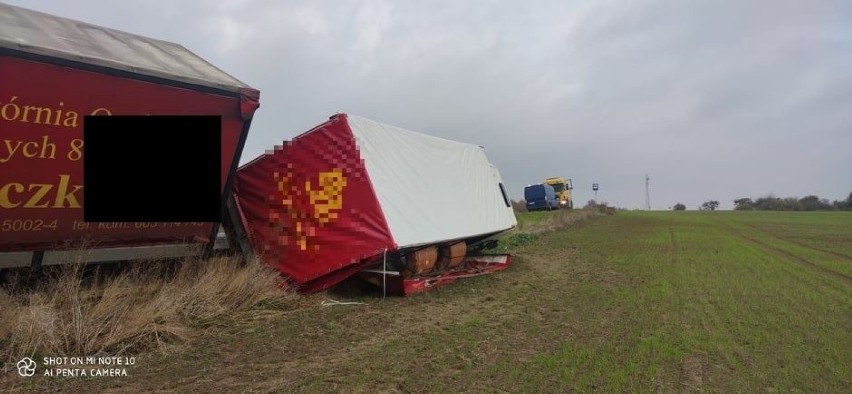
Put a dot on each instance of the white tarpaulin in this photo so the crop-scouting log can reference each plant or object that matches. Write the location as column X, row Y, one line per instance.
column 431, row 189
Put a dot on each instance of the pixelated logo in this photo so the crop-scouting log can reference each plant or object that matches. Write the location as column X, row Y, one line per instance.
column 26, row 367
column 324, row 201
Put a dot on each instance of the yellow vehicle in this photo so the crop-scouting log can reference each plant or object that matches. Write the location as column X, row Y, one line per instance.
column 562, row 187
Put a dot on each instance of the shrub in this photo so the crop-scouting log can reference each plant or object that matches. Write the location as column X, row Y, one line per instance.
column 519, row 206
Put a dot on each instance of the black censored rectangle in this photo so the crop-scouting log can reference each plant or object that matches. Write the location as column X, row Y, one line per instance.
column 152, row 169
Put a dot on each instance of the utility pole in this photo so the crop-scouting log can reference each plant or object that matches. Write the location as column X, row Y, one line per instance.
column 647, row 193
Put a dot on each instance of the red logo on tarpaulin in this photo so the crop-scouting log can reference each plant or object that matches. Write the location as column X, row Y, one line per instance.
column 307, row 207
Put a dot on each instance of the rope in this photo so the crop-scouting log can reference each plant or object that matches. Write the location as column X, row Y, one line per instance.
column 384, row 273
column 335, row 302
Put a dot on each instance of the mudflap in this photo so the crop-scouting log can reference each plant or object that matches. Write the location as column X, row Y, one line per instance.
column 396, row 284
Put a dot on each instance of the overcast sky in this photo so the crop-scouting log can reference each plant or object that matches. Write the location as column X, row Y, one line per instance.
column 712, row 99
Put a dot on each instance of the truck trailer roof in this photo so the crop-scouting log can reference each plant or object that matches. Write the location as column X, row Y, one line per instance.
column 43, row 35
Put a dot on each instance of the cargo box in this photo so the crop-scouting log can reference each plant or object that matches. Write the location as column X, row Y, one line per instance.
column 352, row 192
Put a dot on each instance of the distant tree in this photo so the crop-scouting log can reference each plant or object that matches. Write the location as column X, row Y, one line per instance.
column 790, row 204
column 743, row 204
column 519, row 206
column 679, row 207
column 709, row 205
column 769, row 203
column 591, row 204
column 844, row 205
column 813, row 203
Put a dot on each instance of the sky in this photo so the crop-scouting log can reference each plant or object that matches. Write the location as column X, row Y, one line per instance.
column 712, row 100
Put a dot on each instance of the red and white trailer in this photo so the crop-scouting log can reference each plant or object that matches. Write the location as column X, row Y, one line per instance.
column 354, row 196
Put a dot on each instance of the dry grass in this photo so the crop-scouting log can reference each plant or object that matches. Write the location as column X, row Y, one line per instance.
column 78, row 311
column 542, row 222
column 531, row 225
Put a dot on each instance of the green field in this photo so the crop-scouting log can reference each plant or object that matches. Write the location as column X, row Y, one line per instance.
column 639, row 301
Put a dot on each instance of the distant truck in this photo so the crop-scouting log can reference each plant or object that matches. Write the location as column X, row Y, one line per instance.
column 55, row 71
column 541, row 197
column 562, row 187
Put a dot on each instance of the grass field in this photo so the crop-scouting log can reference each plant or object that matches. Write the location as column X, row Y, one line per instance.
column 639, row 301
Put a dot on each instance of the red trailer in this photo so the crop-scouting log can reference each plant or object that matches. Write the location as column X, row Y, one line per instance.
column 404, row 210
column 54, row 72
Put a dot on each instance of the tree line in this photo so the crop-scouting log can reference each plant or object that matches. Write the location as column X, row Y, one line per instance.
column 772, row 203
column 807, row 203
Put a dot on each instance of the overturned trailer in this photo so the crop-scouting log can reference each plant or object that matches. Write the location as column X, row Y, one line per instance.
column 353, row 196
